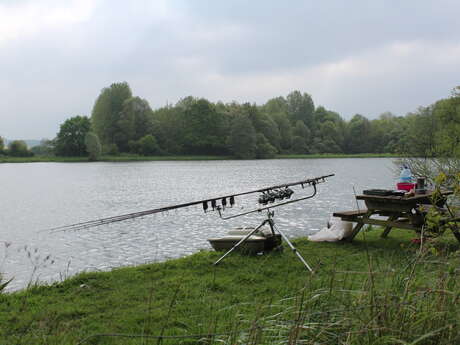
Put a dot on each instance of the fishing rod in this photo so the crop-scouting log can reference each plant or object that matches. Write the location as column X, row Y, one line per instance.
column 269, row 195
column 261, row 201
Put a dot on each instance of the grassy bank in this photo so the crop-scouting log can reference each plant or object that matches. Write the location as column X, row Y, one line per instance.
column 339, row 155
column 372, row 291
column 120, row 158
column 131, row 158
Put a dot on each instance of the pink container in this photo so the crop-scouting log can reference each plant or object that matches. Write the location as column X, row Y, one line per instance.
column 405, row 186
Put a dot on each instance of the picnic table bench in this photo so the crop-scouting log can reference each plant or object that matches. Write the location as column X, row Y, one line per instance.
column 404, row 212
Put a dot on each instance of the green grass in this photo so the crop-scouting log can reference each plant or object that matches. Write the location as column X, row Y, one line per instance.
column 132, row 157
column 119, row 158
column 339, row 155
column 371, row 291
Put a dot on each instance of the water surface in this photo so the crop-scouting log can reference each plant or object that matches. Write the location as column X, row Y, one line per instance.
column 37, row 196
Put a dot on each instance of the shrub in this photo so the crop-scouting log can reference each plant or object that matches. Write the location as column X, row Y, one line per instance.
column 18, row 148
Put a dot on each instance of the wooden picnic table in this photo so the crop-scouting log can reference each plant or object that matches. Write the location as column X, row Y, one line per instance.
column 404, row 212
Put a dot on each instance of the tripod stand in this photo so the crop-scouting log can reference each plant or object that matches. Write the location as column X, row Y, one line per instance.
column 270, row 221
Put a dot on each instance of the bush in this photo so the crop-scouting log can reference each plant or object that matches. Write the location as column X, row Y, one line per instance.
column 148, row 145
column 46, row 148
column 93, row 146
column 18, row 148
column 110, row 149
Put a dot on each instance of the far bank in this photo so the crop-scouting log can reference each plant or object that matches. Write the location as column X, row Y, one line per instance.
column 139, row 158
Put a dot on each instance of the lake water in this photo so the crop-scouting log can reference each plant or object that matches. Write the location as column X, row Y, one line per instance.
column 39, row 196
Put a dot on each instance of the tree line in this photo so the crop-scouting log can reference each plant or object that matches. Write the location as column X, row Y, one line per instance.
column 123, row 123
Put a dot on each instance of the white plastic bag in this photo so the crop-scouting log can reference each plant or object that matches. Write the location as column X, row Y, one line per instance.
column 336, row 230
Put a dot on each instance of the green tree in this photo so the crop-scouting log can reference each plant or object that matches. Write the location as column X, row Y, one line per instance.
column 358, row 135
column 46, row 148
column 203, row 126
column 441, row 124
column 263, row 124
column 148, row 145
column 70, row 141
column 300, row 107
column 107, row 111
column 93, row 146
column 135, row 122
column 2, row 146
column 276, row 107
column 169, row 129
column 301, row 138
column 18, row 148
column 263, row 147
column 285, row 130
column 331, row 137
column 242, row 140
column 299, row 145
column 447, row 113
column 302, row 131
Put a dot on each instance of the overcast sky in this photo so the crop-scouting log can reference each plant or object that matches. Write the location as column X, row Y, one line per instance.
column 352, row 57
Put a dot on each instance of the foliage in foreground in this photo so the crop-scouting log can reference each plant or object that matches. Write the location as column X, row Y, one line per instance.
column 368, row 292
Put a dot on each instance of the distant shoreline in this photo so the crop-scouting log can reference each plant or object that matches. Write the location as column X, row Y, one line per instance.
column 138, row 158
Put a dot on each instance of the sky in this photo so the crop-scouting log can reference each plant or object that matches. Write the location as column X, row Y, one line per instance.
column 353, row 57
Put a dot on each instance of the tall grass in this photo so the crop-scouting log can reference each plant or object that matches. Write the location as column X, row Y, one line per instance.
column 368, row 292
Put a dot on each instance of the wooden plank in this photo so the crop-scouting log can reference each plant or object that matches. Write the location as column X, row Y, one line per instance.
column 393, row 224
column 353, row 213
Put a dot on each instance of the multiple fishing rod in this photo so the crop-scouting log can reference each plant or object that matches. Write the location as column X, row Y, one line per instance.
column 269, row 195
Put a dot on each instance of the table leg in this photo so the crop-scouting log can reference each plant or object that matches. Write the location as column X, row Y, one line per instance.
column 359, row 225
column 454, row 229
column 389, row 227
column 356, row 229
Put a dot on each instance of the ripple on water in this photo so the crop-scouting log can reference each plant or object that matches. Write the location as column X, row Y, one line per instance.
column 69, row 193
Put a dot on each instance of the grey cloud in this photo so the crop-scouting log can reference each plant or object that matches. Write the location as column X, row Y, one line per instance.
column 226, row 50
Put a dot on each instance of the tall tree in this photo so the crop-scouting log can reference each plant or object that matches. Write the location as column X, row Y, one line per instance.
column 242, row 140
column 135, row 122
column 300, row 107
column 285, row 130
column 275, row 107
column 447, row 113
column 301, row 138
column 331, row 137
column 107, row 111
column 263, row 124
column 169, row 129
column 358, row 135
column 2, row 145
column 203, row 132
column 263, row 147
column 302, row 131
column 70, row 141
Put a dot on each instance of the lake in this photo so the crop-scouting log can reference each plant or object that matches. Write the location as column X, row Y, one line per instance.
column 39, row 196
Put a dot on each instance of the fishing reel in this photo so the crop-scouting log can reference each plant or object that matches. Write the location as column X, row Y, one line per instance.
column 270, row 196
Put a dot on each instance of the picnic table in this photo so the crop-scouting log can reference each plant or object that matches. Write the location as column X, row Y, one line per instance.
column 404, row 212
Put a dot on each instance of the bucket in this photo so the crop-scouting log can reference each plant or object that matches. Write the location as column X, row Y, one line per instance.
column 405, row 186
